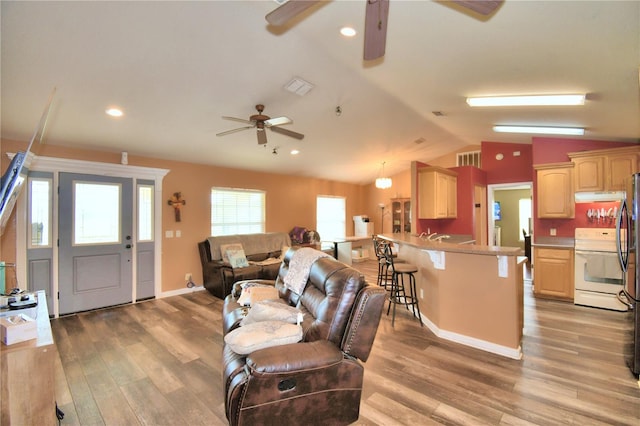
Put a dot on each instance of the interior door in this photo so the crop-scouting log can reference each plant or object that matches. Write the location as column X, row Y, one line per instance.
column 95, row 241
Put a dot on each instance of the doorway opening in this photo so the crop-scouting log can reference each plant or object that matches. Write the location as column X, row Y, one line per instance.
column 510, row 216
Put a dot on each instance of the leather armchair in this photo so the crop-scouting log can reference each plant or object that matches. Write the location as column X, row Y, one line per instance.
column 318, row 380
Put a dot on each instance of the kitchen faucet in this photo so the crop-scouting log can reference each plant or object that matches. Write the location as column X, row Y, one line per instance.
column 441, row 237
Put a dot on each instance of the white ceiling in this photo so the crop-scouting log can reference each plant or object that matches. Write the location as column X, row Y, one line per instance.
column 177, row 67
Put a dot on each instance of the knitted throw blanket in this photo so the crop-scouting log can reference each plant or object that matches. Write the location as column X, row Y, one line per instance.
column 299, row 267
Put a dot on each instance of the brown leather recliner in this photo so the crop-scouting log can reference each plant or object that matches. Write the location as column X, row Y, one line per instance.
column 318, row 380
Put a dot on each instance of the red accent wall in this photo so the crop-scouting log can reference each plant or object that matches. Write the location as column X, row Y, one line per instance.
column 554, row 150
column 512, row 168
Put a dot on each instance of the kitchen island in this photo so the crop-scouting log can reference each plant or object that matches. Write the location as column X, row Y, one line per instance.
column 470, row 294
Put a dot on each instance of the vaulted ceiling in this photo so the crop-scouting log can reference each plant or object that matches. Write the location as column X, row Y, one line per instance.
column 177, row 67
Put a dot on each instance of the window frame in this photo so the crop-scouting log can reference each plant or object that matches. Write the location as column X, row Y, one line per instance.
column 252, row 226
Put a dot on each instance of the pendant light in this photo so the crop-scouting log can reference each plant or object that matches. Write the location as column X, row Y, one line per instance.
column 383, row 182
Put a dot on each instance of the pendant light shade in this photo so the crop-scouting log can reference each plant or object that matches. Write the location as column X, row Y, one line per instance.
column 383, row 182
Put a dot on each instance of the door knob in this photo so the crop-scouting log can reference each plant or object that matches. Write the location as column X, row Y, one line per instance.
column 128, row 246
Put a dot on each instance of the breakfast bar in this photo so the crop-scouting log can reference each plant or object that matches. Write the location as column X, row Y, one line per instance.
column 470, row 294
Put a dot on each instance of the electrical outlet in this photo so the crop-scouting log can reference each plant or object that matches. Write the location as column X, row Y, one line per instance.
column 187, row 276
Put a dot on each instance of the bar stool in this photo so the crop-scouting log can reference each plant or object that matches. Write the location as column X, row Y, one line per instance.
column 379, row 247
column 398, row 293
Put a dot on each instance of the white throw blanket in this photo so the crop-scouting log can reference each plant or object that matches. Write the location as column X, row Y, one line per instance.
column 299, row 267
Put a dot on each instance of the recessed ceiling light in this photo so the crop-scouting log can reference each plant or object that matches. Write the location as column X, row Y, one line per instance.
column 295, row 152
column 114, row 112
column 348, row 31
column 533, row 100
column 573, row 131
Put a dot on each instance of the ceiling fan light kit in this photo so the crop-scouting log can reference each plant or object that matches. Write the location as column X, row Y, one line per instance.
column 260, row 121
column 527, row 100
column 570, row 131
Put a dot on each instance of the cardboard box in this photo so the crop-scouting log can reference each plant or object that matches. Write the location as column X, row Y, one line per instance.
column 17, row 328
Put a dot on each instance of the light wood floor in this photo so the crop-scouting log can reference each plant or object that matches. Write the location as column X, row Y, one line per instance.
column 158, row 363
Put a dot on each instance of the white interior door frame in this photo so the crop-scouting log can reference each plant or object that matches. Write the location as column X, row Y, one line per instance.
column 56, row 165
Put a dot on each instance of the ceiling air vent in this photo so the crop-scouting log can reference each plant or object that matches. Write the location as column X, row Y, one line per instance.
column 471, row 158
column 298, row 86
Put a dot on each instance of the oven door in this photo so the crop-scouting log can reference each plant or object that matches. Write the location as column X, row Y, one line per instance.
column 598, row 271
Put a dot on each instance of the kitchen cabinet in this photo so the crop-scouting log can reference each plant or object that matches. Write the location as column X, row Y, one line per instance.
column 555, row 198
column 604, row 169
column 438, row 193
column 401, row 215
column 553, row 273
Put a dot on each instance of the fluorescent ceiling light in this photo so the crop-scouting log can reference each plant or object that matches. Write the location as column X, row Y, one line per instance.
column 573, row 131
column 533, row 100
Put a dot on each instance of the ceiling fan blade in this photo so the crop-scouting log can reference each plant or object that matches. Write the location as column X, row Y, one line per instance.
column 375, row 29
column 278, row 121
column 228, row 132
column 289, row 10
column 483, row 7
column 262, row 137
column 240, row 120
column 287, row 132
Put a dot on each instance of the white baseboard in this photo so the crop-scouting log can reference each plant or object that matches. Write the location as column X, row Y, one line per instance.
column 473, row 342
column 181, row 291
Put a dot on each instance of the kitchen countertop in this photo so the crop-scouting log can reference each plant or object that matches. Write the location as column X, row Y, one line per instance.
column 554, row 242
column 423, row 243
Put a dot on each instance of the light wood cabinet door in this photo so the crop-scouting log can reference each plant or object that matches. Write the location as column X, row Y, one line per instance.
column 553, row 273
column 589, row 173
column 620, row 168
column 604, row 169
column 555, row 197
column 438, row 193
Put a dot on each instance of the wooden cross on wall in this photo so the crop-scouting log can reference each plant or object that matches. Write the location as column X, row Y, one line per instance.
column 176, row 203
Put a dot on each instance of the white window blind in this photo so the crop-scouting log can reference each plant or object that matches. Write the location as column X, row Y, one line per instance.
column 237, row 211
column 330, row 217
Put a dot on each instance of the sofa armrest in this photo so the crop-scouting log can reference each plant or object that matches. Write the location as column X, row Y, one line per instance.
column 237, row 286
column 295, row 357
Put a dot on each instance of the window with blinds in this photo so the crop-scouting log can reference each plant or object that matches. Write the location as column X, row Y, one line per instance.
column 237, row 211
column 471, row 158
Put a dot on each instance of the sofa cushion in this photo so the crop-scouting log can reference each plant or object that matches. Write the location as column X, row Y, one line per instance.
column 263, row 334
column 251, row 243
column 237, row 259
column 254, row 294
column 272, row 310
column 226, row 248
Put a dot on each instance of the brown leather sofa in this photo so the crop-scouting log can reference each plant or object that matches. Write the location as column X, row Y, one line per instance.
column 318, row 380
column 218, row 277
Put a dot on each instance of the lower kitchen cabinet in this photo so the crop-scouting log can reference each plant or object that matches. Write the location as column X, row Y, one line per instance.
column 553, row 273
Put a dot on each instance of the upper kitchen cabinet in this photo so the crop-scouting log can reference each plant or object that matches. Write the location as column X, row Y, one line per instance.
column 554, row 186
column 604, row 169
column 401, row 215
column 438, row 193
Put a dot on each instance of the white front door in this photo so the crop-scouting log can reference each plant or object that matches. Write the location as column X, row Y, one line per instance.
column 95, row 241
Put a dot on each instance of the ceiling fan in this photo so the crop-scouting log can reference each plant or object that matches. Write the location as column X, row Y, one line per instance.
column 260, row 122
column 375, row 24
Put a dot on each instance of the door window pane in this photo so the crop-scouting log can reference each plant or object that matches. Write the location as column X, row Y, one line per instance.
column 145, row 212
column 96, row 213
column 39, row 213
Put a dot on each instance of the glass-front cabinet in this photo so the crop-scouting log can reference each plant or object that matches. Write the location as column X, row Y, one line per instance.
column 401, row 215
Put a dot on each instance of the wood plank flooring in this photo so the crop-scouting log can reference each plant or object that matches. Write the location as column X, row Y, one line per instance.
column 158, row 363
